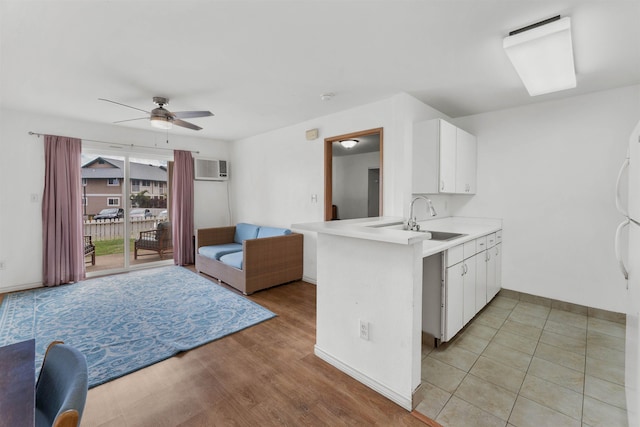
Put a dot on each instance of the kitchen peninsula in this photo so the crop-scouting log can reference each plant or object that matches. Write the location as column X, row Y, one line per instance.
column 370, row 295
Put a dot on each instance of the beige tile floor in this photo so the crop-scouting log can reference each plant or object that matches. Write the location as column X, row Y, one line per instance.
column 523, row 364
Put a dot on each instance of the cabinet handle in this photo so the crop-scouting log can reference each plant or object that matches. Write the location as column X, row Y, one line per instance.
column 442, row 185
column 462, row 269
column 488, row 256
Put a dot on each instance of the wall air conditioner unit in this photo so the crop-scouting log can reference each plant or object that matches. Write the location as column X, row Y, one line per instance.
column 210, row 170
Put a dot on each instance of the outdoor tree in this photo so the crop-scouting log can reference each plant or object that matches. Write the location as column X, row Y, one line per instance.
column 140, row 200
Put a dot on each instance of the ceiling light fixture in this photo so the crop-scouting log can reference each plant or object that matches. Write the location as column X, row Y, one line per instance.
column 161, row 122
column 349, row 143
column 542, row 54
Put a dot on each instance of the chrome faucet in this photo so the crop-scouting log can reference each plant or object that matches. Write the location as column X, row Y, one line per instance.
column 412, row 223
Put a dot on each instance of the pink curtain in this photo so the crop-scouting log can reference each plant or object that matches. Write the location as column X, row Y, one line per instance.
column 182, row 208
column 62, row 235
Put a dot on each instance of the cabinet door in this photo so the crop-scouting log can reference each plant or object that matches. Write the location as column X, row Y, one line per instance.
column 481, row 280
column 498, row 257
column 469, row 286
column 453, row 306
column 466, row 162
column 491, row 274
column 448, row 135
column 425, row 157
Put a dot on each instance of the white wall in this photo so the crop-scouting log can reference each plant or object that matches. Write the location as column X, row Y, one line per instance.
column 549, row 170
column 276, row 174
column 351, row 183
column 22, row 175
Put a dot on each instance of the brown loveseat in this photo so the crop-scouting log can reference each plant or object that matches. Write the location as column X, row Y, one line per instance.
column 249, row 257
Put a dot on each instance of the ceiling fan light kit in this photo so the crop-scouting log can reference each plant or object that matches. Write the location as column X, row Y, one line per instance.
column 164, row 119
column 542, row 55
column 160, row 123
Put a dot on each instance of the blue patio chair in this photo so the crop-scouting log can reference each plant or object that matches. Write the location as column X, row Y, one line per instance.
column 61, row 390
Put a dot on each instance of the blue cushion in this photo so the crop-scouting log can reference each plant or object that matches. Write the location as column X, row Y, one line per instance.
column 217, row 251
column 244, row 232
column 234, row 260
column 272, row 232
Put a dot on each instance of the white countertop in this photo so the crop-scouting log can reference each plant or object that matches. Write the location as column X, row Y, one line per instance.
column 373, row 229
column 472, row 227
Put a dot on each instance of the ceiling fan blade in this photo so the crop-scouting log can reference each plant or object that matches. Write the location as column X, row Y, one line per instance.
column 124, row 105
column 130, row 120
column 191, row 114
column 184, row 124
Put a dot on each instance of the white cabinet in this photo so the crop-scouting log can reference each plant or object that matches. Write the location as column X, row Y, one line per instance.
column 445, row 142
column 459, row 288
column 469, row 297
column 444, row 159
column 471, row 279
column 494, row 268
column 453, row 301
column 466, row 162
column 460, row 296
column 481, row 280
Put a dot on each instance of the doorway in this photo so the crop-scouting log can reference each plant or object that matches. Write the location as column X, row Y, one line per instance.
column 373, row 192
column 125, row 197
column 353, row 175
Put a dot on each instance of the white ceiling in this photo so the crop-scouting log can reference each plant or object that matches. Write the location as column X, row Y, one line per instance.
column 261, row 65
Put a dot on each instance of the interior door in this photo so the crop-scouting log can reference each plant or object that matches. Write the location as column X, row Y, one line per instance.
column 373, row 190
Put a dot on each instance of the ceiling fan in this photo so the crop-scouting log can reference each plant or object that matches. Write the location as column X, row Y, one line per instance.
column 162, row 118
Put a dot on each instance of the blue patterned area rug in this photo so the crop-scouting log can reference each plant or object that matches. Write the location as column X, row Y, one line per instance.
column 125, row 322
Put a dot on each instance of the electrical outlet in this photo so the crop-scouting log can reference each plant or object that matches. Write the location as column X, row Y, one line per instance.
column 364, row 330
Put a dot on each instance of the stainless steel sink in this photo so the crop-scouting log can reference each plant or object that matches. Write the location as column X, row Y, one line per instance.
column 435, row 235
column 443, row 235
column 385, row 225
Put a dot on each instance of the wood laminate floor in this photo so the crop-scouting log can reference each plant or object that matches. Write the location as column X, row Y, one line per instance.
column 262, row 376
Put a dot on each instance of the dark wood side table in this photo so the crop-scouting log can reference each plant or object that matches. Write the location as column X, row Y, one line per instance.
column 17, row 384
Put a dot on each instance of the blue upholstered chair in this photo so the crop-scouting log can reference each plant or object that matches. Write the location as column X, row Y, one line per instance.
column 61, row 390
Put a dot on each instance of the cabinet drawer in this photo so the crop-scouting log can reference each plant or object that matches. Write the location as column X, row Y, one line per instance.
column 491, row 240
column 498, row 236
column 481, row 244
column 469, row 249
column 454, row 255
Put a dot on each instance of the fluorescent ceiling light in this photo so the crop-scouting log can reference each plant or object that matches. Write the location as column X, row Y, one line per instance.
column 542, row 54
column 160, row 122
column 349, row 143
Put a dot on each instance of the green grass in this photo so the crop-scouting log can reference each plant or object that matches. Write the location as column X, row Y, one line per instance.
column 110, row 247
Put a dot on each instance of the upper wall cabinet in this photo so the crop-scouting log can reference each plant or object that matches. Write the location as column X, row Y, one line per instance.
column 444, row 159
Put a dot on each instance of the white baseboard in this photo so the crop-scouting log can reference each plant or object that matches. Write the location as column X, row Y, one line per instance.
column 395, row 397
column 311, row 280
column 23, row 287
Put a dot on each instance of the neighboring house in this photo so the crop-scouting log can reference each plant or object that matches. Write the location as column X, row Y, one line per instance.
column 102, row 184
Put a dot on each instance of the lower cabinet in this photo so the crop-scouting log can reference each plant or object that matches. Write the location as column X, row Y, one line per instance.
column 481, row 280
column 472, row 277
column 494, row 268
column 453, row 312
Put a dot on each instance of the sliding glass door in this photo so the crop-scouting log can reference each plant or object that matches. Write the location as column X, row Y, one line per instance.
column 125, row 206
